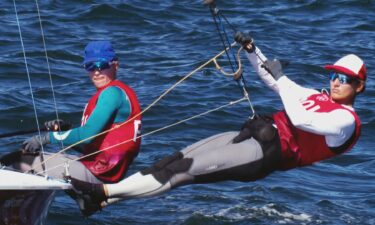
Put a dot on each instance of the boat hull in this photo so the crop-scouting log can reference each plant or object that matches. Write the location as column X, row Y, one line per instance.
column 24, row 198
column 24, row 207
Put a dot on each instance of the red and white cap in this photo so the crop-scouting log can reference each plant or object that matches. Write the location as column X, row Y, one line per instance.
column 350, row 65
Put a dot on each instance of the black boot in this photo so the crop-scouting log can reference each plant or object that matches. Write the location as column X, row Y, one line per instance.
column 88, row 196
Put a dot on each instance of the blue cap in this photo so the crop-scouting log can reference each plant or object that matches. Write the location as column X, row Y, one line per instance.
column 99, row 51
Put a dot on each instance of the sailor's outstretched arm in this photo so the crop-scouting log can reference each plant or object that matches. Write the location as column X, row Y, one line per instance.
column 259, row 63
column 269, row 70
column 257, row 59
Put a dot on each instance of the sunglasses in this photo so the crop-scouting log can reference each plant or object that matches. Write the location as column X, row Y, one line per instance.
column 98, row 66
column 343, row 79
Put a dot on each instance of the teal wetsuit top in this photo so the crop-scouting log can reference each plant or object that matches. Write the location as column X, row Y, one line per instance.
column 112, row 105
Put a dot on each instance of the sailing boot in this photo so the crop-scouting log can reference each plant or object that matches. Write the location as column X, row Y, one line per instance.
column 89, row 196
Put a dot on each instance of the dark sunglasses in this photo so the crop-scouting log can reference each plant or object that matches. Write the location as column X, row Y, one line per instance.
column 343, row 79
column 97, row 66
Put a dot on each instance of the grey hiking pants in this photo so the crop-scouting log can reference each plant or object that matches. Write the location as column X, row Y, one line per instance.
column 210, row 160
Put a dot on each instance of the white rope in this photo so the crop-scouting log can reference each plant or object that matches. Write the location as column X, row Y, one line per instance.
column 237, row 75
column 27, row 71
column 247, row 97
column 151, row 132
column 48, row 65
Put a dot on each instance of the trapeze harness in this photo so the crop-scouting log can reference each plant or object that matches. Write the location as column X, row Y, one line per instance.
column 111, row 164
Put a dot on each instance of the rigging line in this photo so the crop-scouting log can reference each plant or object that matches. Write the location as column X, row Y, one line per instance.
column 243, row 84
column 227, row 21
column 28, row 76
column 218, row 12
column 221, row 37
column 238, row 71
column 216, row 15
column 146, row 109
column 222, row 33
column 245, row 93
column 48, row 65
column 152, row 132
column 226, row 39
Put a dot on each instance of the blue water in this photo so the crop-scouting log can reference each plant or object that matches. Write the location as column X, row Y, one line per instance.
column 158, row 42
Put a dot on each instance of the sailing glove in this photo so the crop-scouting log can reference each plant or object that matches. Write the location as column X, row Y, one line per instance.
column 57, row 125
column 33, row 144
column 245, row 40
column 274, row 67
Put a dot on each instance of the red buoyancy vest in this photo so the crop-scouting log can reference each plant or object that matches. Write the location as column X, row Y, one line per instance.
column 121, row 144
column 301, row 148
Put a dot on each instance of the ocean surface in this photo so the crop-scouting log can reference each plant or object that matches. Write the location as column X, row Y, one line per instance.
column 159, row 42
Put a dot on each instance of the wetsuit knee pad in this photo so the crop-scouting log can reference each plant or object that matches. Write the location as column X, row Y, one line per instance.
column 178, row 166
column 163, row 163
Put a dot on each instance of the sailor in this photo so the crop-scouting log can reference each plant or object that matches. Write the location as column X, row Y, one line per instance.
column 313, row 126
column 113, row 107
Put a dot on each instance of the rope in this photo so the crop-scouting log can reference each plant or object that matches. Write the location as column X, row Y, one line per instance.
column 142, row 112
column 151, row 132
column 48, row 65
column 216, row 16
column 28, row 74
column 235, row 74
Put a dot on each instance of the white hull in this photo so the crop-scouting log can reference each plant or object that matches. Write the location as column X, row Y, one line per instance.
column 25, row 198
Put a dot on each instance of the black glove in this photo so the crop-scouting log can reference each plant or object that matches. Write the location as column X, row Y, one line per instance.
column 57, row 125
column 274, row 67
column 33, row 144
column 245, row 40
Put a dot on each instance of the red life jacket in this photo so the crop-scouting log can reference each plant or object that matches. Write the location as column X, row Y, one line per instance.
column 112, row 164
column 301, row 148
